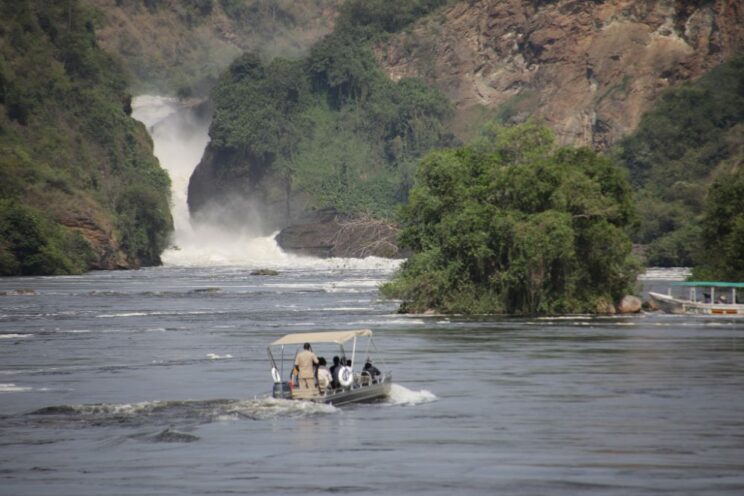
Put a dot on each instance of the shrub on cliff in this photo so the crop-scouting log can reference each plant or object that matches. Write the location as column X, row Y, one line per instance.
column 721, row 254
column 31, row 243
column 512, row 224
column 69, row 151
column 332, row 128
column 692, row 134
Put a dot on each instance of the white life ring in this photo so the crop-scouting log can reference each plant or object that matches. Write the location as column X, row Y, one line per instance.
column 275, row 375
column 345, row 376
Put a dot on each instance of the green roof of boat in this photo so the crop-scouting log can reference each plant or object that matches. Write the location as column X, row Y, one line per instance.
column 710, row 284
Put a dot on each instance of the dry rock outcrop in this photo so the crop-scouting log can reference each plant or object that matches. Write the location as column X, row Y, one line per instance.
column 590, row 69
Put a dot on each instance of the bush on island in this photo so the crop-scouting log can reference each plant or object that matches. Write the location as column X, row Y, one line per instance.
column 514, row 224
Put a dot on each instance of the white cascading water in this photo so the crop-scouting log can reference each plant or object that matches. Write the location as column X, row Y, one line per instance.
column 179, row 137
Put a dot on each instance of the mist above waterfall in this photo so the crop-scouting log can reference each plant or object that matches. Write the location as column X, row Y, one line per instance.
column 221, row 235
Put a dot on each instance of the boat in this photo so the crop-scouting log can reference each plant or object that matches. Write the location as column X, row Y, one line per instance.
column 353, row 384
column 716, row 298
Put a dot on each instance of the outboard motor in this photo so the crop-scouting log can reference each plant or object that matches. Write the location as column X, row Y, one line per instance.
column 282, row 390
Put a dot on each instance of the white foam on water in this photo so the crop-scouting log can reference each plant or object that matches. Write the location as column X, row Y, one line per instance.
column 143, row 314
column 179, row 139
column 401, row 395
column 215, row 356
column 567, row 317
column 15, row 336
column 124, row 314
column 665, row 274
column 395, row 321
column 12, row 388
column 268, row 407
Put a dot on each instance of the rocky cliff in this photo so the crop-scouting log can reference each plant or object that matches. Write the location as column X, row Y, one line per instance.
column 80, row 188
column 589, row 69
column 183, row 45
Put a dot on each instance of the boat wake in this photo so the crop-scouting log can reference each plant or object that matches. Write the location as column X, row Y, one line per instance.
column 170, row 412
column 400, row 395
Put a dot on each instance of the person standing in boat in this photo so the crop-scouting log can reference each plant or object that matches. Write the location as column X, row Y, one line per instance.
column 304, row 370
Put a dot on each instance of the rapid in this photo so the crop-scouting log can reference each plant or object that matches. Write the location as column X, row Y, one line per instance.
column 156, row 381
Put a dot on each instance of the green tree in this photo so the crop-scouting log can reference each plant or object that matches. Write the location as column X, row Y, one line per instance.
column 721, row 254
column 693, row 133
column 513, row 224
column 331, row 129
column 69, row 148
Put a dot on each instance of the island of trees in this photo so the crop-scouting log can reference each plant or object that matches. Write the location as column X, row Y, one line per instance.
column 513, row 224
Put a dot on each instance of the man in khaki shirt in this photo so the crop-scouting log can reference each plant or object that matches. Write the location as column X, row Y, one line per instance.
column 303, row 368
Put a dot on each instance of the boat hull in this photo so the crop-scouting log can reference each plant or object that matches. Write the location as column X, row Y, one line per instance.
column 367, row 393
column 670, row 304
column 364, row 394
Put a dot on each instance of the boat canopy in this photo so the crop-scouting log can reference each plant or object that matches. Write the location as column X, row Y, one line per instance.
column 710, row 284
column 337, row 337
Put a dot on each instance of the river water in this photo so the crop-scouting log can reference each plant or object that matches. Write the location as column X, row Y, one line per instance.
column 156, row 381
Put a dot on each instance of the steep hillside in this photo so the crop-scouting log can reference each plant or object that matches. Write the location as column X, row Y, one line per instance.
column 79, row 186
column 693, row 136
column 181, row 46
column 329, row 130
column 590, row 69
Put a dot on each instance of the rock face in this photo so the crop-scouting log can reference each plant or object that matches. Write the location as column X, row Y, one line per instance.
column 178, row 45
column 328, row 234
column 629, row 304
column 97, row 229
column 588, row 68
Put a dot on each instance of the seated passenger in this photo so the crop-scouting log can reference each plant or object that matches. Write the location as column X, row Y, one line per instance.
column 334, row 371
column 373, row 371
column 324, row 375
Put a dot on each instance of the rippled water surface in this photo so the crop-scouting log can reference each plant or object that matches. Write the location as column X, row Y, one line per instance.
column 155, row 382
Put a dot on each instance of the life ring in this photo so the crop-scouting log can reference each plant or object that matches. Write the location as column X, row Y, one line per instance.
column 345, row 376
column 275, row 375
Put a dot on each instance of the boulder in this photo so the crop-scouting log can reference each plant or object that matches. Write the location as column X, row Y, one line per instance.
column 650, row 305
column 605, row 307
column 629, row 304
column 326, row 233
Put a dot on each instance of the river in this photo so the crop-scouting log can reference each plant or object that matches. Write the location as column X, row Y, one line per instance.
column 156, row 382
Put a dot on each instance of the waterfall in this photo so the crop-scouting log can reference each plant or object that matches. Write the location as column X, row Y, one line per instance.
column 179, row 137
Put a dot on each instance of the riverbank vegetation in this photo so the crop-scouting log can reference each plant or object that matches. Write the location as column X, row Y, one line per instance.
column 331, row 128
column 720, row 256
column 693, row 137
column 79, row 186
column 514, row 224
column 180, row 47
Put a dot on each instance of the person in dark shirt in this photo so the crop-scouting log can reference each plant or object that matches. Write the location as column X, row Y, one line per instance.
column 373, row 371
column 334, row 371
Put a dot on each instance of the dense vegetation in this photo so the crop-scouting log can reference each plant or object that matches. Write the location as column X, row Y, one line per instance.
column 79, row 186
column 330, row 127
column 513, row 224
column 182, row 46
column 694, row 133
column 721, row 256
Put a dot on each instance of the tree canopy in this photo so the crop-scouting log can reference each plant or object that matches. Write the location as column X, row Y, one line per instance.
column 71, row 158
column 693, row 133
column 332, row 127
column 720, row 256
column 513, row 224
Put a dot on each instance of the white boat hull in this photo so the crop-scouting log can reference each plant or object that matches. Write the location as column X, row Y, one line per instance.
column 670, row 304
column 357, row 393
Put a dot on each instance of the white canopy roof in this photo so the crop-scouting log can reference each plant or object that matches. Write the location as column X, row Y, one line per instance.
column 337, row 337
